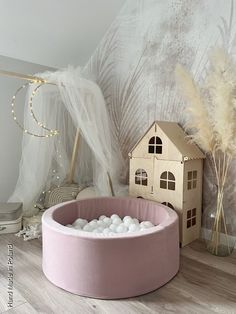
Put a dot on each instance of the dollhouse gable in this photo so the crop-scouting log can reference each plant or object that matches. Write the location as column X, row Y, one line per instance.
column 167, row 141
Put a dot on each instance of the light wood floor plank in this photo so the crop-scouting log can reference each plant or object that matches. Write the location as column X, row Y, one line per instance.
column 25, row 308
column 18, row 298
column 198, row 253
column 205, row 284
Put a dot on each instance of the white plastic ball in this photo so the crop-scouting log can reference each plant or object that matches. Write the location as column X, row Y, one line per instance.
column 128, row 222
column 113, row 227
column 135, row 220
column 114, row 216
column 101, row 223
column 81, row 222
column 106, row 231
column 117, row 221
column 77, row 227
column 121, row 229
column 69, row 226
column 93, row 224
column 107, row 220
column 133, row 227
column 147, row 224
column 87, row 228
column 102, row 217
column 126, row 217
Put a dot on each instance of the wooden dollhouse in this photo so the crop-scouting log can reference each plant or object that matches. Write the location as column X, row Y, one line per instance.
column 165, row 167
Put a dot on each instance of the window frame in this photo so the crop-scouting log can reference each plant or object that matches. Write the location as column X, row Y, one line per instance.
column 191, row 218
column 155, row 145
column 141, row 178
column 167, row 181
column 192, row 180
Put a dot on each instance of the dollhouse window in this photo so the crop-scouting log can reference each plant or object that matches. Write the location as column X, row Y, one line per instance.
column 155, row 145
column 191, row 217
column 141, row 177
column 192, row 179
column 167, row 181
column 169, row 205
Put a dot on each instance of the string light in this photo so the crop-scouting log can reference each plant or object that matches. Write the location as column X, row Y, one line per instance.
column 51, row 131
column 40, row 124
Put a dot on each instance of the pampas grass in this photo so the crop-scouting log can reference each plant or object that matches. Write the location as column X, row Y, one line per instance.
column 199, row 116
column 212, row 121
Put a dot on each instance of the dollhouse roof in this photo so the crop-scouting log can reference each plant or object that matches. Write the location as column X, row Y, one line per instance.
column 178, row 137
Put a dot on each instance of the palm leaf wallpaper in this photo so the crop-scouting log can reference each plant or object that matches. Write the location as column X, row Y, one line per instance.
column 135, row 62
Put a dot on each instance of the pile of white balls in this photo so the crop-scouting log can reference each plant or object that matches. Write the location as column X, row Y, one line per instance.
column 111, row 225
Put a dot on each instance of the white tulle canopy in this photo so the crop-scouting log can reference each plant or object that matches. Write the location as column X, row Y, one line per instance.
column 70, row 103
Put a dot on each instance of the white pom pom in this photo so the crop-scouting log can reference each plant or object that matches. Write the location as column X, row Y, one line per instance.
column 102, row 217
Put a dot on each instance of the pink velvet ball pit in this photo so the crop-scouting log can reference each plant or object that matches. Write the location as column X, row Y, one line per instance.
column 110, row 267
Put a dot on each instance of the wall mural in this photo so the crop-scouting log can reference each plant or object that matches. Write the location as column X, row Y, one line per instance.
column 134, row 64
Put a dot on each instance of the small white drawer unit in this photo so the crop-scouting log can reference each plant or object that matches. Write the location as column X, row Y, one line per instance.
column 10, row 217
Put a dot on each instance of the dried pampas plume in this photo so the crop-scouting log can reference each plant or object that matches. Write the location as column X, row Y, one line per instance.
column 199, row 117
column 221, row 84
column 213, row 117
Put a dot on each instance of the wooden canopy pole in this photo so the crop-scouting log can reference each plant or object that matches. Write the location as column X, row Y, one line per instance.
column 23, row 76
column 74, row 157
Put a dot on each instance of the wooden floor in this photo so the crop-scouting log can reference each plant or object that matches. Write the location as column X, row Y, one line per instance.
column 204, row 284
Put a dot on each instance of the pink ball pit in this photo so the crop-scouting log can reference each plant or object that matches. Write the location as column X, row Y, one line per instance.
column 110, row 267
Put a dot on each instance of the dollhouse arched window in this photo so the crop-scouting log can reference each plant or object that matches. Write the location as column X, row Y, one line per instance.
column 167, row 181
column 141, row 177
column 169, row 205
column 155, row 145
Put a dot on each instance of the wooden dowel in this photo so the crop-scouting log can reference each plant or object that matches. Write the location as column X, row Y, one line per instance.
column 74, row 157
column 110, row 183
column 23, row 76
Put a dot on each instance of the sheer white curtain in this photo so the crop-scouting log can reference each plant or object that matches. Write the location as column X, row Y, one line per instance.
column 73, row 103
